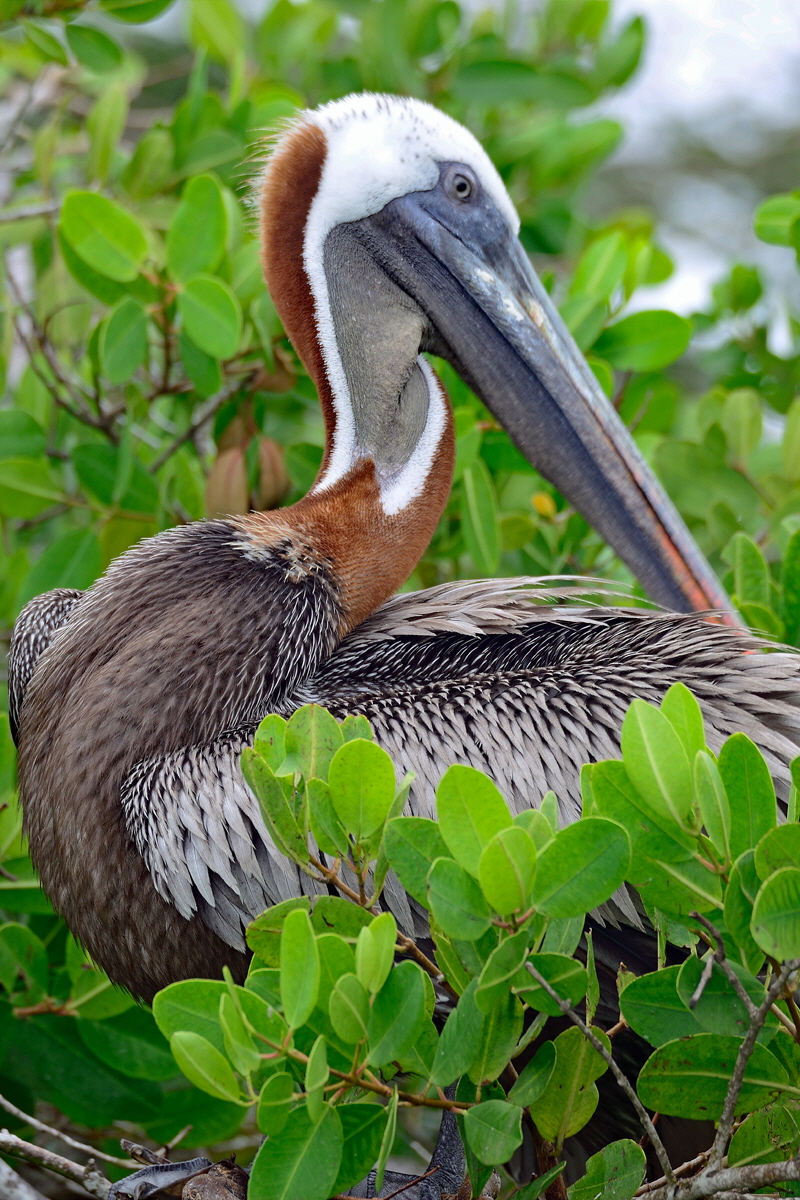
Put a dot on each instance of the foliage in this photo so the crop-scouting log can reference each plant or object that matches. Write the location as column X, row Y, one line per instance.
column 148, row 382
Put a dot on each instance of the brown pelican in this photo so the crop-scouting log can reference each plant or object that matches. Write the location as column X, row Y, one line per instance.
column 386, row 233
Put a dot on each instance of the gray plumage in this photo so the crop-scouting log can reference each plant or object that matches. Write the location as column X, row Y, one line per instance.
column 475, row 672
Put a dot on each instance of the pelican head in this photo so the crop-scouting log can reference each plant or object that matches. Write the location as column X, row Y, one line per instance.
column 387, row 232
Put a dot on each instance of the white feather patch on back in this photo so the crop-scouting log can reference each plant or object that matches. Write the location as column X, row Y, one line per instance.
column 378, row 149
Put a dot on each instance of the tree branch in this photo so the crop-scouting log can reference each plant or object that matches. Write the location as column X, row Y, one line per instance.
column 63, row 1137
column 87, row 1176
column 14, row 1187
column 758, row 1016
column 204, row 413
column 620, row 1077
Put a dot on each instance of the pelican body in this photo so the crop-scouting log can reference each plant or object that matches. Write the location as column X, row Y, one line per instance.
column 386, row 232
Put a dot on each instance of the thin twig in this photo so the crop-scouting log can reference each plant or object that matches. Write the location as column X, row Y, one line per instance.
column 620, row 1077
column 683, row 1169
column 87, row 1176
column 26, row 212
column 204, row 413
column 63, row 1137
column 708, row 970
column 758, row 1016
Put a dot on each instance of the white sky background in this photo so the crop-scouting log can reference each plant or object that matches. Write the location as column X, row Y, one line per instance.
column 725, row 73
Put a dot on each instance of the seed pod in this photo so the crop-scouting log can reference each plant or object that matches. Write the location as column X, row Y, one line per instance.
column 227, row 489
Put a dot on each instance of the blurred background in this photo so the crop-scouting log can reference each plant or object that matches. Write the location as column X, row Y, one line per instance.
column 652, row 148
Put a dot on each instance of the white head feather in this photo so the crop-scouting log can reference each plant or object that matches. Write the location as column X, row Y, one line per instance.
column 378, row 149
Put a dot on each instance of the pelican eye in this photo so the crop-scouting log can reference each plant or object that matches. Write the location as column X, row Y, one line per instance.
column 462, row 187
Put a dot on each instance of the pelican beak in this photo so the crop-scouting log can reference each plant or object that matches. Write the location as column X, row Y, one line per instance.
column 492, row 319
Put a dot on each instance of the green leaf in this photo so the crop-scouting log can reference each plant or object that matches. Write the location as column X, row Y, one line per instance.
column 533, row 1190
column 312, row 737
column 775, row 924
column 500, row 1033
column 204, row 1066
column 615, row 1173
column 719, row 1009
column 362, row 783
column 656, row 761
column 299, row 968
column 768, row 1136
column 132, row 1038
column 123, row 341
column 47, row 45
column 460, row 1040
column 778, row 848
column 103, row 235
column 239, row 1045
column 336, row 959
column 93, row 49
column 387, row 1141
column 348, row 1007
column 689, row 1077
column 26, row 487
column 134, row 12
column 203, row 370
column 471, row 811
column 571, row 1099
column 301, row 1164
column 742, row 425
column 479, row 521
column 99, row 470
column 493, row 1130
column 713, row 801
column 105, row 125
column 791, row 588
column 317, row 1075
column 217, row 26
column 151, row 165
column 502, row 966
column 775, row 217
column 71, row 561
column 506, row 870
column 329, row 832
column 683, row 713
column 363, row 1126
column 333, row 914
column 740, row 896
column 196, row 237
column 750, row 792
column 356, row 726
column 412, row 845
column 653, row 1009
column 581, row 867
column 644, row 341
column 274, row 1104
column 375, row 949
column 601, row 267
column 566, row 976
column 270, row 740
column 211, row 315
column 593, row 985
column 23, row 957
column 750, row 572
column 20, row 435
column 534, row 1079
column 456, row 901
column 277, row 811
column 398, row 1014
